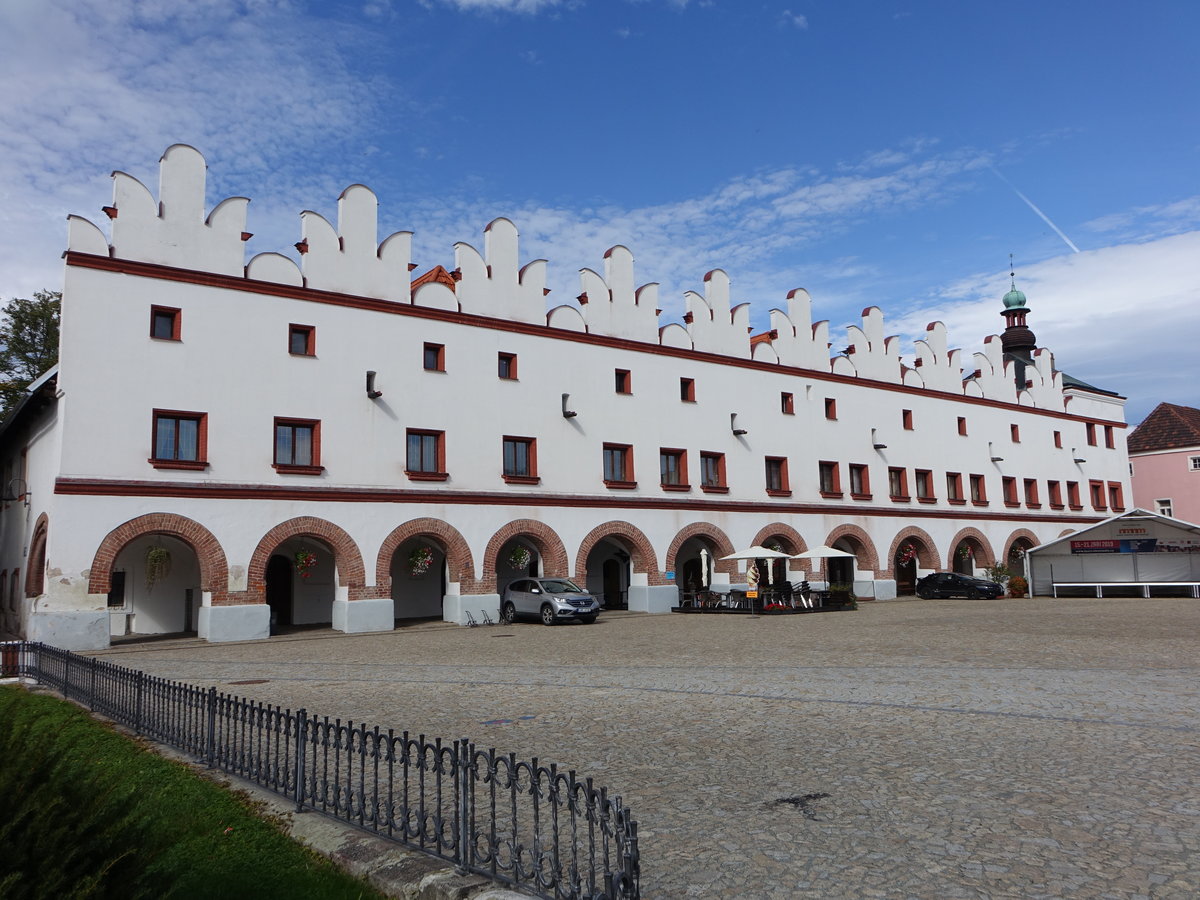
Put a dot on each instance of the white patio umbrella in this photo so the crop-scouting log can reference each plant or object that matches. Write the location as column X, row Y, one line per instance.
column 821, row 552
column 757, row 552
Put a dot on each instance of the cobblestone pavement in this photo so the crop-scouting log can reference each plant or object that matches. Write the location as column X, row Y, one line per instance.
column 928, row 749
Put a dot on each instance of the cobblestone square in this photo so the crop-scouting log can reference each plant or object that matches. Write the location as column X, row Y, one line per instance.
column 929, row 749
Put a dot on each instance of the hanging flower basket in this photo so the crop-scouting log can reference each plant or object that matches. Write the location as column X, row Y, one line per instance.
column 519, row 557
column 966, row 552
column 906, row 554
column 306, row 561
column 158, row 565
column 420, row 560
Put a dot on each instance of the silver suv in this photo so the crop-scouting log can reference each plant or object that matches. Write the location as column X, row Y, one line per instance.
column 552, row 599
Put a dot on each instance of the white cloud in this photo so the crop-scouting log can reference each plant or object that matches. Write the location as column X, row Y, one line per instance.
column 517, row 6
column 793, row 20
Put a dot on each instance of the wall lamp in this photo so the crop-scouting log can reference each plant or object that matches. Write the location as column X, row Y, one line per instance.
column 567, row 413
column 733, row 425
column 371, row 392
column 992, row 454
column 876, row 443
column 1075, row 455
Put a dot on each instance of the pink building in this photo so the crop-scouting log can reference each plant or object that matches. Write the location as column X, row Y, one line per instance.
column 1164, row 456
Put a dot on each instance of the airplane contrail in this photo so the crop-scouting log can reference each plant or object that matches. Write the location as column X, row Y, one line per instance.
column 1045, row 218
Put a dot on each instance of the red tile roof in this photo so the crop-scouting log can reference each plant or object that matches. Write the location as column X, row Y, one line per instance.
column 1166, row 428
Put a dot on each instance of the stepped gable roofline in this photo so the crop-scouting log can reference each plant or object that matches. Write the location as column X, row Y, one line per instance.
column 1168, row 427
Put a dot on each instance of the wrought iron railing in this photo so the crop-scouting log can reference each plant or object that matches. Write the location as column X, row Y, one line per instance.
column 514, row 821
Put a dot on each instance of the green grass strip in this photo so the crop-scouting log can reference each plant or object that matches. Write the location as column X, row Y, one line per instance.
column 88, row 813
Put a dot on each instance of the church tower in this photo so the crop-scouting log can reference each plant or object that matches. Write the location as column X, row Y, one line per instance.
column 1017, row 340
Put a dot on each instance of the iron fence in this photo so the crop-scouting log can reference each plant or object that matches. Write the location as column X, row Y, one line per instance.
column 517, row 822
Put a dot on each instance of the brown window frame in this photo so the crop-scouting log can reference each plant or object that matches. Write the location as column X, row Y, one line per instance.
column 1058, row 440
column 313, row 466
column 962, row 425
column 829, row 479
column 923, row 482
column 1014, row 432
column 898, row 478
column 1097, row 495
column 530, row 476
column 863, row 473
column 623, row 381
column 687, row 390
column 438, row 359
column 506, row 366
column 976, row 481
column 787, row 403
column 681, row 468
column 1030, row 488
column 1116, row 496
column 308, row 334
column 176, row 318
column 719, row 486
column 201, row 420
column 1109, row 438
column 780, row 466
column 1008, row 489
column 1073, row 501
column 1054, row 494
column 831, row 409
column 627, row 480
column 1090, row 428
column 439, row 455
column 906, row 419
column 954, row 489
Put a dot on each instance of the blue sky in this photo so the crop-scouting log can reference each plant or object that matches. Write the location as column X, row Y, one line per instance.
column 876, row 153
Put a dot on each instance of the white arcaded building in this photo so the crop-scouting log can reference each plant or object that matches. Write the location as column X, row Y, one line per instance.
column 230, row 443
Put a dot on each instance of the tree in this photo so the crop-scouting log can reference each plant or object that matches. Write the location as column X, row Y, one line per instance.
column 28, row 343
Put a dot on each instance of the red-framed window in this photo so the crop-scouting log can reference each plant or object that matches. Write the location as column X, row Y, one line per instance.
column 433, row 357
column 954, row 488
column 924, row 482
column 1054, row 494
column 1073, row 495
column 906, row 419
column 1031, row 493
column 1058, row 439
column 298, row 446
column 506, row 366
column 898, row 483
column 302, row 340
column 425, row 455
column 519, row 460
column 1014, row 431
column 166, row 323
column 1097, row 495
column 860, row 481
column 618, row 466
column 962, row 425
column 787, row 403
column 830, row 408
column 830, row 476
column 712, row 473
column 672, row 469
column 777, row 476
column 687, row 390
column 1116, row 498
column 1109, row 438
column 978, row 490
column 623, row 381
column 179, row 439
column 1009, row 489
column 1091, row 433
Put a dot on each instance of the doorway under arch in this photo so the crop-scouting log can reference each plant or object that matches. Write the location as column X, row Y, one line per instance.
column 419, row 579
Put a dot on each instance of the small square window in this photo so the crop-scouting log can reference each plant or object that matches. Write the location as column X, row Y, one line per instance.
column 924, row 479
column 860, row 482
column 787, row 404
column 672, row 469
column 687, row 390
column 618, row 466
column 302, row 340
column 1014, row 431
column 962, row 425
column 180, row 440
column 520, row 460
column 622, row 381
column 425, row 455
column 298, row 446
column 830, row 479
column 712, row 473
column 1194, row 463
column 897, row 483
column 830, row 408
column 777, row 476
column 434, row 358
column 506, row 366
column 165, row 323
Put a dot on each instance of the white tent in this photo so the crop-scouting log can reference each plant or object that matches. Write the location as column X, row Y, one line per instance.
column 1134, row 548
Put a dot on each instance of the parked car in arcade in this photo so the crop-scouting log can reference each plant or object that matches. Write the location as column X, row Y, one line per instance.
column 952, row 584
column 550, row 599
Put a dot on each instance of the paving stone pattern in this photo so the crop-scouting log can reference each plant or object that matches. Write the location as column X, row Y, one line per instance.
column 926, row 749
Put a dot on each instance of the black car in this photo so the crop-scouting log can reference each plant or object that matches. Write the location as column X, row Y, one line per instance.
column 952, row 584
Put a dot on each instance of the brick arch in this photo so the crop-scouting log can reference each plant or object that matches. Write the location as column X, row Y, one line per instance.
column 642, row 557
column 714, row 534
column 987, row 556
column 1016, row 535
column 459, row 561
column 35, row 574
column 346, row 557
column 214, row 570
column 1065, row 532
column 863, row 539
column 778, row 529
column 926, row 548
column 549, row 547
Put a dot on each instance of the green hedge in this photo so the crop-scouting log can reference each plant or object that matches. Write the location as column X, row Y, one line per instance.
column 87, row 812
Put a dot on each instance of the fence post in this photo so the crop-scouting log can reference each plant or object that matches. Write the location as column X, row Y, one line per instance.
column 210, row 742
column 301, row 752
column 463, row 804
column 137, row 705
column 95, row 664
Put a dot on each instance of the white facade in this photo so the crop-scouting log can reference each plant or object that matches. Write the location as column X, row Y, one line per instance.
column 105, row 492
